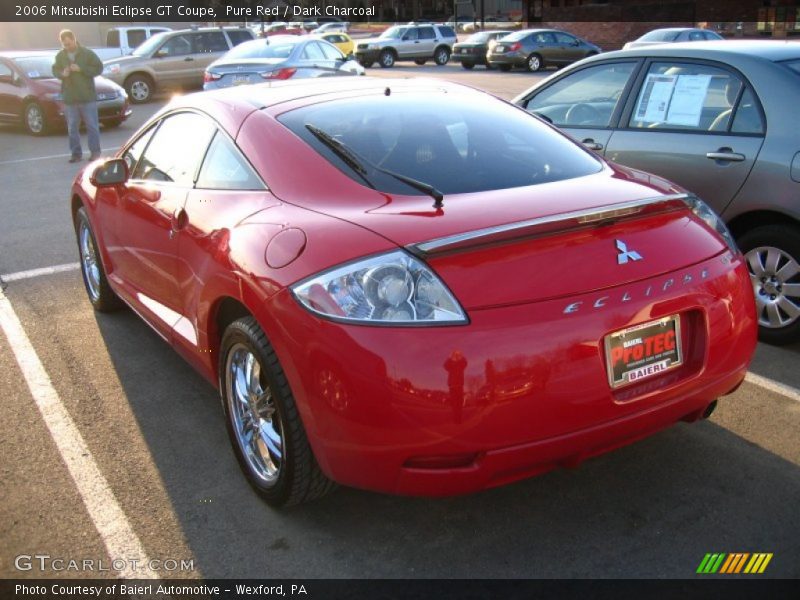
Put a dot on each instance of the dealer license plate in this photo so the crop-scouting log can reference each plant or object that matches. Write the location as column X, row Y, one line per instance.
column 241, row 79
column 643, row 351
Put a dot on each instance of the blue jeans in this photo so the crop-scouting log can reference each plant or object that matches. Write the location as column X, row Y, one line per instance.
column 87, row 112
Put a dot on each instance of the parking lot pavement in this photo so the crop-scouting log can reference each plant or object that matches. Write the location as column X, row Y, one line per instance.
column 155, row 431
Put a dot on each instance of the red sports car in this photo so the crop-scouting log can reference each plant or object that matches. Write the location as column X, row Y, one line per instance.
column 412, row 286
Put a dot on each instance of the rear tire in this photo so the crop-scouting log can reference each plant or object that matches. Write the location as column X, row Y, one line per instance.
column 263, row 423
column 386, row 59
column 534, row 63
column 441, row 56
column 34, row 119
column 366, row 63
column 420, row 61
column 773, row 260
column 100, row 294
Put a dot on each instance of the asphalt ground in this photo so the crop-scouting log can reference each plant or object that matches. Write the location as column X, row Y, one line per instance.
column 154, row 431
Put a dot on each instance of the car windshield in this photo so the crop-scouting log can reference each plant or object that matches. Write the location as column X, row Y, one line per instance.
column 149, row 46
column 393, row 33
column 660, row 35
column 36, row 67
column 478, row 38
column 266, row 48
column 794, row 65
column 458, row 143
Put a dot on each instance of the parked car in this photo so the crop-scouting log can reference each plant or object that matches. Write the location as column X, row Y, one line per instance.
column 707, row 116
column 535, row 49
column 122, row 41
column 673, row 34
column 30, row 95
column 419, row 43
column 339, row 39
column 331, row 27
column 281, row 29
column 174, row 59
column 278, row 58
column 410, row 288
column 472, row 51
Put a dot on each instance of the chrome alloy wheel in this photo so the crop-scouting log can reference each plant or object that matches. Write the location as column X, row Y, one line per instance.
column 255, row 420
column 140, row 90
column 89, row 262
column 776, row 283
column 34, row 117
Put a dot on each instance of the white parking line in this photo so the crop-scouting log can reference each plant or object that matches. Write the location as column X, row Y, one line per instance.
column 762, row 382
column 119, row 538
column 22, row 160
column 39, row 272
column 774, row 386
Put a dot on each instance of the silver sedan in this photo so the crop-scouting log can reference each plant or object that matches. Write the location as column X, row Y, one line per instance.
column 718, row 118
column 278, row 57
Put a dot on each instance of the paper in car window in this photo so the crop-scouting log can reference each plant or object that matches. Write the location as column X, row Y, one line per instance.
column 688, row 99
column 33, row 74
column 655, row 98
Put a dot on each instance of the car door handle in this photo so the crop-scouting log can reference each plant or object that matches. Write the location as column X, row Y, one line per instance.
column 188, row 59
column 725, row 154
column 591, row 144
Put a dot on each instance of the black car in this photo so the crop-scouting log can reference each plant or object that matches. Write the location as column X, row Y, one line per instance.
column 473, row 50
column 534, row 49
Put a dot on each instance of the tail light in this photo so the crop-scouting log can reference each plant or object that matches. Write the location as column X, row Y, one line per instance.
column 211, row 77
column 515, row 46
column 279, row 74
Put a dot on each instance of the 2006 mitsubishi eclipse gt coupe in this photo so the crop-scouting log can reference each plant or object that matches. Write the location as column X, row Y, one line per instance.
column 418, row 289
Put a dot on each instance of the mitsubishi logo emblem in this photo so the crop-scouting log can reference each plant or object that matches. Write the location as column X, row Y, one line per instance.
column 625, row 254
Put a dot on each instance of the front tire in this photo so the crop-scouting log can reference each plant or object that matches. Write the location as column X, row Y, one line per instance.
column 34, row 119
column 441, row 56
column 263, row 423
column 773, row 260
column 140, row 88
column 420, row 61
column 386, row 59
column 100, row 294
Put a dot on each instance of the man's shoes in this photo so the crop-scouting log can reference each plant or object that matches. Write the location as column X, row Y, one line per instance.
column 75, row 158
column 94, row 156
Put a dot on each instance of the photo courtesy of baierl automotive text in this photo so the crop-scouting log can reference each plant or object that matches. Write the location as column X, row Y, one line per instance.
column 288, row 286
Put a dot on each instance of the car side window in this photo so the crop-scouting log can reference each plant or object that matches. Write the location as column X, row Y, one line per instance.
column 209, row 42
column 411, row 34
column 330, row 52
column 135, row 150
column 426, row 33
column 446, row 31
column 237, row 37
column 312, row 51
column 179, row 45
column 175, row 152
column 748, row 116
column 5, row 71
column 585, row 98
column 224, row 168
column 685, row 96
column 563, row 38
column 696, row 36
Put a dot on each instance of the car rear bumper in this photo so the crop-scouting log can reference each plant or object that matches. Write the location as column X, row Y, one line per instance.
column 473, row 58
column 367, row 55
column 437, row 411
column 513, row 59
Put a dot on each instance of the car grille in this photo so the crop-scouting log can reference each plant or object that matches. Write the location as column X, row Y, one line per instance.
column 106, row 96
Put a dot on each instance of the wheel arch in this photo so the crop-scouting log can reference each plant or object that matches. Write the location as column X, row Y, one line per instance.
column 744, row 222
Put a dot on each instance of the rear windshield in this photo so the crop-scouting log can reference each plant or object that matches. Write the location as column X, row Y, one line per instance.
column 516, row 36
column 660, row 35
column 456, row 143
column 478, row 38
column 794, row 65
column 266, row 48
column 36, row 67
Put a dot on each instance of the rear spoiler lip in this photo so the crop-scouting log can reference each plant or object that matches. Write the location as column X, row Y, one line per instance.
column 558, row 223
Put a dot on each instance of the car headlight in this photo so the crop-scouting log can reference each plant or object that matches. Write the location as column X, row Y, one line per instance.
column 111, row 69
column 707, row 214
column 390, row 289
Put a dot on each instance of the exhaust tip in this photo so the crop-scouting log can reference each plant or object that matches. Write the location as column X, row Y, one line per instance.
column 710, row 409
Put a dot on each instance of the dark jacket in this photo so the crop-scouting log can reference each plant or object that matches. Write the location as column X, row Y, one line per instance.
column 78, row 88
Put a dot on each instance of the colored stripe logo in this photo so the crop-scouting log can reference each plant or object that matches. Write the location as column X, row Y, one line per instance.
column 735, row 563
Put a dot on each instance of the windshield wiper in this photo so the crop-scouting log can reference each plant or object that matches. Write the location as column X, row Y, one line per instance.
column 356, row 162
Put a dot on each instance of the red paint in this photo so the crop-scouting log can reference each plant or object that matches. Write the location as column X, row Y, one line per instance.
column 520, row 389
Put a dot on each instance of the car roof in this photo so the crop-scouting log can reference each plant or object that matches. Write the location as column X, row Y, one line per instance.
column 773, row 50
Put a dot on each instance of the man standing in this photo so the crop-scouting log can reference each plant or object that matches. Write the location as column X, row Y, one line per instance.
column 77, row 67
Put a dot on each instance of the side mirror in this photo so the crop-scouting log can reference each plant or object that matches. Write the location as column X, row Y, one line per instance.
column 110, row 173
column 160, row 53
column 7, row 79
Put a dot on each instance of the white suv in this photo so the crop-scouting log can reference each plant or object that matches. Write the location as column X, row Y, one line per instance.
column 416, row 42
